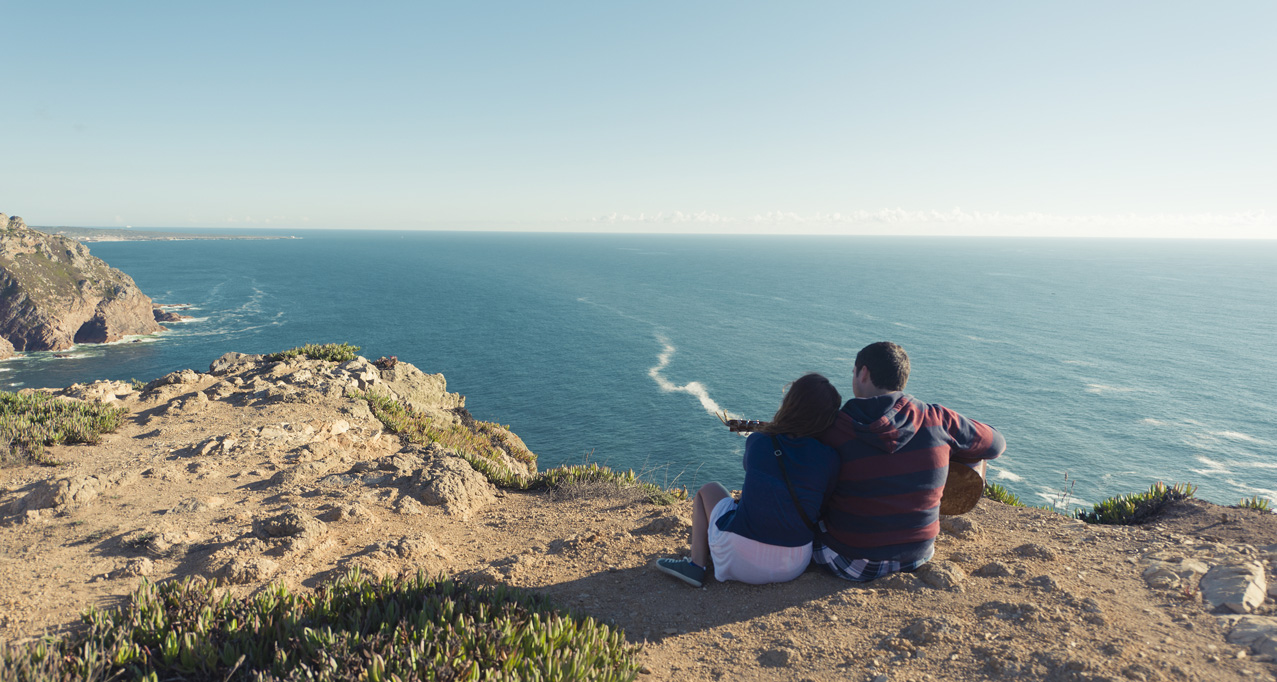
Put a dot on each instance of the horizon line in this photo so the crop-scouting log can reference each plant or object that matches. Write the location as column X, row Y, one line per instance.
column 267, row 228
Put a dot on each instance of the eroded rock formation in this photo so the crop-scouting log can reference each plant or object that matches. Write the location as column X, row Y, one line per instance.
column 56, row 294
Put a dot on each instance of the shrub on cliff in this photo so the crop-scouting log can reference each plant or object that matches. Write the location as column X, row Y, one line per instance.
column 480, row 444
column 335, row 352
column 351, row 629
column 30, row 422
column 1135, row 508
column 998, row 493
column 1257, row 503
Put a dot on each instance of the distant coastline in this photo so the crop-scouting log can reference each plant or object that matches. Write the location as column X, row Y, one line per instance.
column 95, row 234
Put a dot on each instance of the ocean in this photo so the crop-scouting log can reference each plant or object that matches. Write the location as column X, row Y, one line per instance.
column 1107, row 364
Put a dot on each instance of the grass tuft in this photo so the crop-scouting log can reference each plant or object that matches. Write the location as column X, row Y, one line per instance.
column 1257, row 503
column 485, row 447
column 1126, row 510
column 353, row 628
column 29, row 422
column 333, row 352
column 997, row 493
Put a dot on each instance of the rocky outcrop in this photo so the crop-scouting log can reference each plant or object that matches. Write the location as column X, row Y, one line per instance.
column 56, row 294
column 164, row 314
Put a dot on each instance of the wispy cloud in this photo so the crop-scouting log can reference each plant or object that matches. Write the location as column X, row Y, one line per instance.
column 1252, row 224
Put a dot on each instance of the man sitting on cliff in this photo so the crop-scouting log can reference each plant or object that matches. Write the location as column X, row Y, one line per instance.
column 895, row 452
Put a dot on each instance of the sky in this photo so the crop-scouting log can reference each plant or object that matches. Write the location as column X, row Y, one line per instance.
column 1080, row 118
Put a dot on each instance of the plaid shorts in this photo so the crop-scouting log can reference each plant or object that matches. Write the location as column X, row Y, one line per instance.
column 862, row 570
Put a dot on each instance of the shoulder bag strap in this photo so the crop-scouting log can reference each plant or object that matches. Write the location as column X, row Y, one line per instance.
column 780, row 459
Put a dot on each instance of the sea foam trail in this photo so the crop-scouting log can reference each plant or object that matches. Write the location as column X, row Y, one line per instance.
column 693, row 388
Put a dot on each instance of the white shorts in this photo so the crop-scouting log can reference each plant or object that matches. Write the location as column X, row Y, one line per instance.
column 736, row 557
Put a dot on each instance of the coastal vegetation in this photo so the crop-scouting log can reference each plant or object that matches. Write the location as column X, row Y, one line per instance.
column 1135, row 508
column 352, row 628
column 484, row 446
column 1257, row 503
column 334, row 352
column 30, row 422
column 1122, row 510
column 998, row 493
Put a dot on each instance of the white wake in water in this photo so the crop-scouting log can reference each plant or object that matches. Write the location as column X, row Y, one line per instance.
column 692, row 388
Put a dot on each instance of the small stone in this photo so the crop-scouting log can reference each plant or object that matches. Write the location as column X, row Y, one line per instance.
column 1045, row 582
column 1035, row 551
column 134, row 568
column 409, row 507
column 995, row 569
column 272, row 433
column 960, row 526
column 941, row 574
column 774, row 658
column 240, row 571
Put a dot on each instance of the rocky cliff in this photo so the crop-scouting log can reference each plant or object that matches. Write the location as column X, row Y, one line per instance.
column 56, row 294
column 265, row 470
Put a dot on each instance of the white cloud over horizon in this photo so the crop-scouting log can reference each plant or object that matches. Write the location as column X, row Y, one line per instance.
column 956, row 221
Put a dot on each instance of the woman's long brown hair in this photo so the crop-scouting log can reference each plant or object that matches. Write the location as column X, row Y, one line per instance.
column 809, row 407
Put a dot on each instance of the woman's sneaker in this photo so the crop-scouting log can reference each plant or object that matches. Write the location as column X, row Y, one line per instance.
column 683, row 569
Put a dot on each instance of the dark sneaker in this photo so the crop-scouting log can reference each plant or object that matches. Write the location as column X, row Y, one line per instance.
column 683, row 569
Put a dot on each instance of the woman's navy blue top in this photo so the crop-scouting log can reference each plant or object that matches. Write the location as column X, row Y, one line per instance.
column 767, row 512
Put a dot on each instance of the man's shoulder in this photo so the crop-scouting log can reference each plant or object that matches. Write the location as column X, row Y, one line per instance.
column 934, row 411
column 842, row 430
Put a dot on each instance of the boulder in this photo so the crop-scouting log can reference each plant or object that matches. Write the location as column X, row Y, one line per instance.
column 1257, row 632
column 230, row 363
column 407, row 383
column 960, row 526
column 66, row 494
column 240, row 571
column 98, row 391
column 162, row 315
column 450, row 482
column 1171, row 574
column 134, row 568
column 941, row 575
column 1238, row 587
column 290, row 524
column 185, row 376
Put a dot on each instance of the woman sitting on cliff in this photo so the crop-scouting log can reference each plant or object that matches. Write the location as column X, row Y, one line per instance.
column 764, row 538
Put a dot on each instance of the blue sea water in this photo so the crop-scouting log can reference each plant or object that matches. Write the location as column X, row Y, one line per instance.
column 1114, row 362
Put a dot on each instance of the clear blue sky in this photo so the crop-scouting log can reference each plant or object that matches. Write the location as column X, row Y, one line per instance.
column 1142, row 118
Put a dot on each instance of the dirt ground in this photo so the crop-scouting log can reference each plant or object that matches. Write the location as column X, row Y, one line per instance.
column 196, row 486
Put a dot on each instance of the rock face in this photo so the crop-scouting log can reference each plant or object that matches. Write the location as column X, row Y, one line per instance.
column 56, row 294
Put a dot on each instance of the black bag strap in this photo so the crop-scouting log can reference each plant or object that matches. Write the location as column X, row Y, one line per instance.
column 780, row 459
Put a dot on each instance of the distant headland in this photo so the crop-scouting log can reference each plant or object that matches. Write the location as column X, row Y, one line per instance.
column 56, row 294
column 102, row 234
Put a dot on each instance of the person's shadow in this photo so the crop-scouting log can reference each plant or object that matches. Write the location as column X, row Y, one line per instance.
column 649, row 605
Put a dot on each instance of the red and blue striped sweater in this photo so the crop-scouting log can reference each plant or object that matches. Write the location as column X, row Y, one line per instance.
column 894, row 452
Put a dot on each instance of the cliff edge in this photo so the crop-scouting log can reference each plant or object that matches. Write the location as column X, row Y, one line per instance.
column 295, row 470
column 57, row 294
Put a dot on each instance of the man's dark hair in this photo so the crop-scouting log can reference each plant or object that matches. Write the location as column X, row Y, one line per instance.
column 888, row 365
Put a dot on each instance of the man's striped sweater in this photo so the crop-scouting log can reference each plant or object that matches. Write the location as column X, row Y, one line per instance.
column 895, row 452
